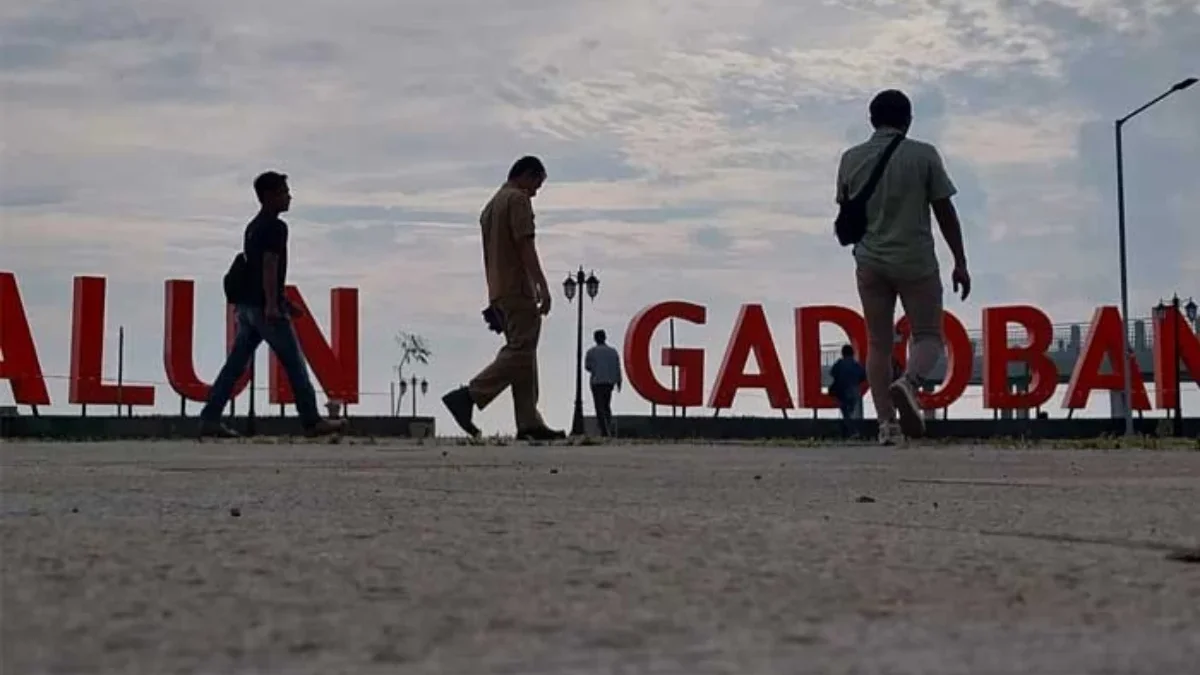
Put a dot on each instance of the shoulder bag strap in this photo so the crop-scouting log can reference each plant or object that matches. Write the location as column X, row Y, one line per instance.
column 877, row 173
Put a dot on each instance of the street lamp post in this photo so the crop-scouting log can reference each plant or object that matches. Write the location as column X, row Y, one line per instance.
column 1117, row 127
column 571, row 286
column 415, row 383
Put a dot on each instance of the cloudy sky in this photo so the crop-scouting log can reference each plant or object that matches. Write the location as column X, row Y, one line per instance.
column 691, row 148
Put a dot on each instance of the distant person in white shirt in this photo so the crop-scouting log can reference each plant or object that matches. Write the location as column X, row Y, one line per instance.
column 604, row 364
column 896, row 257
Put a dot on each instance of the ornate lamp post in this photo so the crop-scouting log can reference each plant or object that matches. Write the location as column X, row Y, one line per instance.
column 415, row 383
column 571, row 286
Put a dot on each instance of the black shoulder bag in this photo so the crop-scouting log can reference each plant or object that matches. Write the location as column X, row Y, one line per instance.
column 851, row 223
column 235, row 280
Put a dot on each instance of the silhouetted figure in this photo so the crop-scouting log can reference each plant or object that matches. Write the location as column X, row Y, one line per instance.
column 896, row 256
column 255, row 286
column 518, row 298
column 604, row 364
column 848, row 376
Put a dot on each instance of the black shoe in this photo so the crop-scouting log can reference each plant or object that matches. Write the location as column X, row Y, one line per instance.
column 461, row 407
column 540, row 434
column 217, row 430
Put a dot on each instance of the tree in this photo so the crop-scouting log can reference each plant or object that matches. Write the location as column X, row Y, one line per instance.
column 413, row 349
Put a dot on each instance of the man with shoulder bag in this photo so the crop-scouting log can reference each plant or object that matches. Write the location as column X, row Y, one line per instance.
column 886, row 188
column 254, row 285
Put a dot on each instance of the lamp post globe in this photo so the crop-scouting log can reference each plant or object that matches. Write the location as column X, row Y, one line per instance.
column 570, row 287
column 1191, row 309
column 593, row 285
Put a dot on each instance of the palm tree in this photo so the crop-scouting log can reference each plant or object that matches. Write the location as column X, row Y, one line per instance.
column 413, row 349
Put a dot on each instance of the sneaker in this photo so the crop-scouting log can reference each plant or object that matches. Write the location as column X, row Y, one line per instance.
column 908, row 408
column 540, row 434
column 325, row 428
column 217, row 430
column 462, row 407
column 889, row 434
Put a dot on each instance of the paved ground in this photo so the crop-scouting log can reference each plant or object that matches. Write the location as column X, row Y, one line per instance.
column 130, row 558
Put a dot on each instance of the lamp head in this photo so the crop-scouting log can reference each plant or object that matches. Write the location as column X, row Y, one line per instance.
column 1184, row 84
column 1190, row 308
column 593, row 285
column 569, row 287
column 403, row 387
column 424, row 386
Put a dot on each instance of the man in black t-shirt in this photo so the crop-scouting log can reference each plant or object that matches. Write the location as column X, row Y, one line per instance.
column 263, row 314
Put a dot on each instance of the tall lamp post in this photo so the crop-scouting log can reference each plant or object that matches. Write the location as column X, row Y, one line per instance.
column 1117, row 127
column 571, row 286
column 414, row 383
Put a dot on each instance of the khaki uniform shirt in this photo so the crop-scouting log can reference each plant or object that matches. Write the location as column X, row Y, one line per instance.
column 505, row 222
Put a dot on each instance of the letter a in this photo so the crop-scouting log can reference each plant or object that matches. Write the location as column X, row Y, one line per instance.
column 19, row 362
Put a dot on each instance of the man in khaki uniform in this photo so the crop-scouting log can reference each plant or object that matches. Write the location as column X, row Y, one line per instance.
column 896, row 257
column 518, row 297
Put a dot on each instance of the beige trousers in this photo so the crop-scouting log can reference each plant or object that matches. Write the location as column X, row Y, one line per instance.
column 515, row 364
column 922, row 301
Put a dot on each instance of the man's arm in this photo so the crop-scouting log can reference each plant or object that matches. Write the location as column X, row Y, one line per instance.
column 589, row 359
column 940, row 189
column 272, row 245
column 521, row 213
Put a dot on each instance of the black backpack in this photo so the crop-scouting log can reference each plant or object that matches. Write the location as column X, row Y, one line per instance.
column 235, row 280
column 851, row 222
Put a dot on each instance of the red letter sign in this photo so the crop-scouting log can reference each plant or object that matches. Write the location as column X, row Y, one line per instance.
column 19, row 362
column 178, row 332
column 335, row 363
column 960, row 361
column 87, row 352
column 1104, row 338
column 808, row 348
column 1166, row 351
column 689, row 361
column 998, row 354
column 751, row 334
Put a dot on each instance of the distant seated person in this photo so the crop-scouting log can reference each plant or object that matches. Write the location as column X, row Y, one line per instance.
column 848, row 376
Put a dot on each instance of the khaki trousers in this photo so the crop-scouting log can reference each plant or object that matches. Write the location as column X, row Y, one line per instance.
column 515, row 364
column 922, row 301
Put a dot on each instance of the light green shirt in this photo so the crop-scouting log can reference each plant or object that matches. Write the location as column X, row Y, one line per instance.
column 899, row 237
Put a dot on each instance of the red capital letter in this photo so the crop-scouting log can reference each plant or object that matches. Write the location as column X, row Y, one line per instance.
column 997, row 354
column 960, row 360
column 689, row 360
column 808, row 348
column 19, row 362
column 1166, row 351
column 1104, row 339
column 178, row 332
column 751, row 334
column 335, row 363
column 87, row 352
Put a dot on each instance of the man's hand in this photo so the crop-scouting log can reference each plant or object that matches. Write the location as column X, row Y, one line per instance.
column 543, row 299
column 962, row 280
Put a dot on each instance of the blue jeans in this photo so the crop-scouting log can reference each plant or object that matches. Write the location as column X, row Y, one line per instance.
column 253, row 329
column 849, row 408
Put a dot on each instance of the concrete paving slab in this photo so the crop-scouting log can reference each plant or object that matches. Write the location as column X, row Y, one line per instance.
column 399, row 558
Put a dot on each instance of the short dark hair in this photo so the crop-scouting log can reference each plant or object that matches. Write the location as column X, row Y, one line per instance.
column 891, row 108
column 600, row 335
column 527, row 166
column 848, row 351
column 268, row 182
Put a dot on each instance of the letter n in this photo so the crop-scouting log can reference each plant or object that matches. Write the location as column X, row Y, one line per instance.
column 335, row 363
column 1166, row 350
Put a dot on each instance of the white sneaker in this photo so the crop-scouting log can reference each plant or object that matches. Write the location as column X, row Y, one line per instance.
column 889, row 433
column 908, row 408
